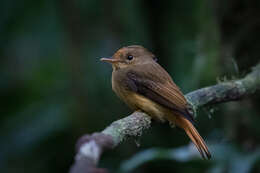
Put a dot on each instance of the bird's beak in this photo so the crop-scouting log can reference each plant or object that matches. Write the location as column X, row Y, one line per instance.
column 110, row 60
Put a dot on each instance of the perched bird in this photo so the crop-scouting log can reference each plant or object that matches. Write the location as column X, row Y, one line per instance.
column 144, row 85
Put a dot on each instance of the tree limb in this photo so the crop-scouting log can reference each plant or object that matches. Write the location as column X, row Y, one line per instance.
column 90, row 147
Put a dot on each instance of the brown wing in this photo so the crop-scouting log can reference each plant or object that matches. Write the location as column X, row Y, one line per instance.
column 153, row 82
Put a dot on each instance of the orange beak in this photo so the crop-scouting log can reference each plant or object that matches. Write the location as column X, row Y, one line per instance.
column 110, row 60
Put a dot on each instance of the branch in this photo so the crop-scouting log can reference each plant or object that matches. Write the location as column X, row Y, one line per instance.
column 90, row 147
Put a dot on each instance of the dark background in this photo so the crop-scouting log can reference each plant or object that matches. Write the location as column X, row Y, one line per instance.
column 54, row 89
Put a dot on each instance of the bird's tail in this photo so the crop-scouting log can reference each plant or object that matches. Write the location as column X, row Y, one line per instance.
column 194, row 136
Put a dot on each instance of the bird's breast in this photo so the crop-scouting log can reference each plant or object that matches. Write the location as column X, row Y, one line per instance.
column 135, row 100
column 139, row 102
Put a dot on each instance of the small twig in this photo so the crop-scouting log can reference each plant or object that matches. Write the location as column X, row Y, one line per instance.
column 90, row 147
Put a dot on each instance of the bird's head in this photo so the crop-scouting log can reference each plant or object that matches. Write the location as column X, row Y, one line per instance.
column 129, row 56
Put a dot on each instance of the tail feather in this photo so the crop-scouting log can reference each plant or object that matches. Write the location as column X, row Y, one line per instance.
column 194, row 136
column 195, row 143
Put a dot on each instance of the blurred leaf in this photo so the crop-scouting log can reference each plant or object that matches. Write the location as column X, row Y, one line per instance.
column 182, row 154
column 225, row 156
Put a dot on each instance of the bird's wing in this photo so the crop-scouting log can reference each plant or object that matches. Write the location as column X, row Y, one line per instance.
column 159, row 88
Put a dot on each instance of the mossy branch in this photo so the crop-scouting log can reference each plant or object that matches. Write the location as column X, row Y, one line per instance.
column 90, row 147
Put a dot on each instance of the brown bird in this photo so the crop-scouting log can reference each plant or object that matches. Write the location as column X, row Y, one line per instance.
column 144, row 85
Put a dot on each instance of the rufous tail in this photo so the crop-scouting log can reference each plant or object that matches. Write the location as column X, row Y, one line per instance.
column 194, row 136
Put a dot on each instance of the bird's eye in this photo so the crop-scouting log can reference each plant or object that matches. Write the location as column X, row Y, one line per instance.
column 130, row 57
column 155, row 59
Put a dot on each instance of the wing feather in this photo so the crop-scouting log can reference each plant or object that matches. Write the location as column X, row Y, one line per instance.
column 159, row 89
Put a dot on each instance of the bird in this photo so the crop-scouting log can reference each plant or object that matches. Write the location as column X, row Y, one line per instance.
column 144, row 85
